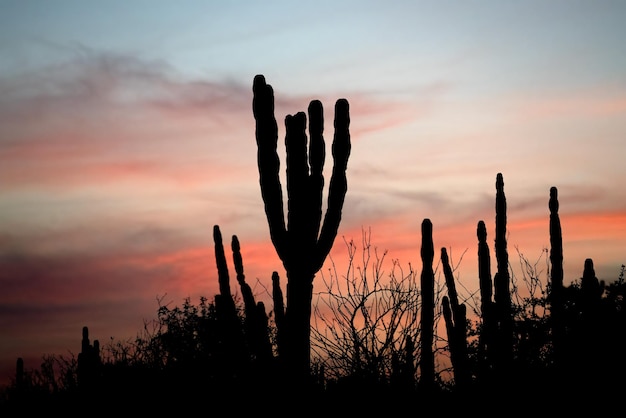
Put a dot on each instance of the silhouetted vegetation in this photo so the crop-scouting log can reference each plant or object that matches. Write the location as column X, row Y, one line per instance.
column 304, row 241
column 375, row 343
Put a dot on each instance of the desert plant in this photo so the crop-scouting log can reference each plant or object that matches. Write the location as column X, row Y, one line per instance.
column 427, row 312
column 502, row 291
column 304, row 242
column 455, row 316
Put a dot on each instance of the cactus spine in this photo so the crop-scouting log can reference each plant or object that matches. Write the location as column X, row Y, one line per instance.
column 305, row 241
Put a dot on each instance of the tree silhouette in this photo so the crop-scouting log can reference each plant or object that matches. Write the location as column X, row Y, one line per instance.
column 305, row 241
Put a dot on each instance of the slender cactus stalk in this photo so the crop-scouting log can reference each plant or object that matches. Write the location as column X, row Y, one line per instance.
column 556, row 277
column 489, row 320
column 455, row 316
column 502, row 292
column 427, row 321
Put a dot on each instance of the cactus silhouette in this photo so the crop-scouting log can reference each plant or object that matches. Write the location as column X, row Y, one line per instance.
column 427, row 320
column 89, row 363
column 502, row 293
column 232, row 350
column 486, row 342
column 305, row 241
column 455, row 316
column 279, row 312
column 256, row 320
column 556, row 278
column 250, row 342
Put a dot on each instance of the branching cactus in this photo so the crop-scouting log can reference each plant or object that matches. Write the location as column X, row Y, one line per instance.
column 427, row 322
column 303, row 243
column 256, row 320
column 255, row 339
column 89, row 362
column 233, row 350
column 455, row 316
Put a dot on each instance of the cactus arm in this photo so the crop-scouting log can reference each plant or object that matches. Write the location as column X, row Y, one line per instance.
column 484, row 266
column 297, row 181
column 268, row 162
column 246, row 291
column 338, row 181
column 220, row 260
column 317, row 156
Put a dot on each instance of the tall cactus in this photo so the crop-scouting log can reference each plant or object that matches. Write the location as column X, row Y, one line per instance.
column 502, row 292
column 556, row 277
column 589, row 350
column 427, row 320
column 304, row 243
column 489, row 322
column 455, row 316
column 88, row 363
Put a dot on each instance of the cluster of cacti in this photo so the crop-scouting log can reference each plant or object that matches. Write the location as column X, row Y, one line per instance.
column 305, row 241
column 89, row 365
column 495, row 345
column 248, row 344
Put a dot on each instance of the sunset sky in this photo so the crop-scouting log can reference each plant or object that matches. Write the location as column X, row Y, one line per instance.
column 126, row 134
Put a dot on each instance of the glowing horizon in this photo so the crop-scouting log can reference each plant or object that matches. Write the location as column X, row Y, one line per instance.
column 123, row 145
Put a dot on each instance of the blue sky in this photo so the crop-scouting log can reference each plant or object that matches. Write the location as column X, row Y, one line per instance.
column 127, row 133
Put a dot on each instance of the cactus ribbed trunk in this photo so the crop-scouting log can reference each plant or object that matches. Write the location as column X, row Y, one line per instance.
column 427, row 320
column 304, row 243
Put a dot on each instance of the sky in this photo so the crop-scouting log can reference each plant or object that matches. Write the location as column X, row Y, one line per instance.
column 127, row 134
